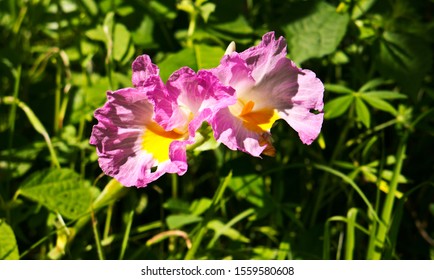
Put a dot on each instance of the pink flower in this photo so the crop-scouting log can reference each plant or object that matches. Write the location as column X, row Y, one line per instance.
column 268, row 87
column 142, row 132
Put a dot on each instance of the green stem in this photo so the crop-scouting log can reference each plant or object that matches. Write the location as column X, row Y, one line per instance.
column 127, row 234
column 57, row 98
column 377, row 250
column 191, row 28
column 324, row 182
column 97, row 239
column 12, row 117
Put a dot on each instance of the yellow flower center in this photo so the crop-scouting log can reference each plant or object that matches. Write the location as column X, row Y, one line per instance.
column 256, row 120
column 259, row 121
column 156, row 140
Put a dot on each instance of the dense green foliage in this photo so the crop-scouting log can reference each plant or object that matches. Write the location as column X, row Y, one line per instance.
column 362, row 190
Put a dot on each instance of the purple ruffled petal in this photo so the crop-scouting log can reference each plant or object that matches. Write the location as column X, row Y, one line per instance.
column 118, row 138
column 267, row 82
column 143, row 68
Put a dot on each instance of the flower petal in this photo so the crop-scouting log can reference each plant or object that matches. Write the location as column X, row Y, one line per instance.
column 119, row 136
column 232, row 132
column 188, row 99
column 268, row 87
column 143, row 68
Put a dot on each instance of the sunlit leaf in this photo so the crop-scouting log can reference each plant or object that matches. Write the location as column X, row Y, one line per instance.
column 362, row 112
column 385, row 94
column 379, row 104
column 178, row 221
column 337, row 106
column 222, row 229
column 121, row 41
column 8, row 243
column 60, row 190
column 317, row 34
column 338, row 89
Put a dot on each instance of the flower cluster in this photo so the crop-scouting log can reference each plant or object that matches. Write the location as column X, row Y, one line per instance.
column 143, row 132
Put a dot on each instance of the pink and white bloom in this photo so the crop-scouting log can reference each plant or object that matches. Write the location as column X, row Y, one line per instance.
column 142, row 132
column 268, row 86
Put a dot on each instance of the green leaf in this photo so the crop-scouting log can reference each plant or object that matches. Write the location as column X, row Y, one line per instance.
column 96, row 34
column 176, row 204
column 362, row 112
column 200, row 57
column 121, row 41
column 249, row 187
column 178, row 221
column 337, row 106
column 142, row 36
column 361, row 7
column 317, row 34
column 206, row 9
column 238, row 26
column 60, row 190
column 199, row 206
column 338, row 89
column 404, row 58
column 173, row 62
column 208, row 56
column 8, row 243
column 379, row 104
column 373, row 84
column 16, row 162
column 90, row 7
column 222, row 229
column 385, row 94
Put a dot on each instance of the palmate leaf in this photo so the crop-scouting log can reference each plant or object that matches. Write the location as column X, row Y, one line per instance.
column 316, row 34
column 8, row 243
column 60, row 190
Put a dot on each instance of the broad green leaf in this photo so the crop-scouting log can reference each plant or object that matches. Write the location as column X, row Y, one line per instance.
column 88, row 97
column 199, row 206
column 317, row 34
column 90, row 7
column 8, row 243
column 385, row 94
column 208, row 56
column 404, row 58
column 249, row 187
column 238, row 26
column 200, row 57
column 142, row 36
column 16, row 162
column 338, row 89
column 337, row 106
column 121, row 41
column 176, row 204
column 178, row 221
column 379, row 104
column 60, row 190
column 173, row 62
column 362, row 112
column 97, row 34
